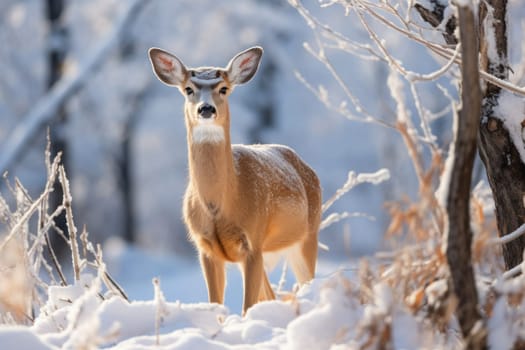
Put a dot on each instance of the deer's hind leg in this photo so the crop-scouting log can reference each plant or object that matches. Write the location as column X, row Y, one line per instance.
column 302, row 258
column 266, row 292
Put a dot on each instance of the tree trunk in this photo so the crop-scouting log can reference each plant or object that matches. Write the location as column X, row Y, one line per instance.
column 457, row 229
column 505, row 170
column 265, row 109
column 125, row 157
column 126, row 183
column 57, row 46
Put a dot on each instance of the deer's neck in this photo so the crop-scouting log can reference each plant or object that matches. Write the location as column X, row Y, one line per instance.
column 212, row 174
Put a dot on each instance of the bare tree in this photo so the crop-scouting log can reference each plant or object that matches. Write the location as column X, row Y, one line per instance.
column 500, row 147
column 49, row 109
column 57, row 51
column 504, row 166
column 457, row 229
column 45, row 109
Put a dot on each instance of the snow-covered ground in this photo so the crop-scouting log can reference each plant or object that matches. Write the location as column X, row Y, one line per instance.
column 182, row 279
column 171, row 313
column 354, row 306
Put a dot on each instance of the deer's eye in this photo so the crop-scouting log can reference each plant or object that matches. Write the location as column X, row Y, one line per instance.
column 189, row 91
column 223, row 90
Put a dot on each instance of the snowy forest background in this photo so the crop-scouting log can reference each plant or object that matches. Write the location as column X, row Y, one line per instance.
column 275, row 108
column 126, row 140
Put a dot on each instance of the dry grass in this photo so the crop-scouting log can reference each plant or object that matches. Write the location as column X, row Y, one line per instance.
column 26, row 272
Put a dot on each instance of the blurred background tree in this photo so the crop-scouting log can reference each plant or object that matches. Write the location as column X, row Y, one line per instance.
column 126, row 138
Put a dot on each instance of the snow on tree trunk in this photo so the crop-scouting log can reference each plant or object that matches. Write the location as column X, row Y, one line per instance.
column 505, row 168
column 497, row 149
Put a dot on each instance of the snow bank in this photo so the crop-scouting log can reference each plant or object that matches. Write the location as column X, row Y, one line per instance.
column 320, row 315
column 323, row 314
column 354, row 308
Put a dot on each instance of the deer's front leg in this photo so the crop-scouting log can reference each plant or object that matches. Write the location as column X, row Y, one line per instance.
column 213, row 270
column 253, row 271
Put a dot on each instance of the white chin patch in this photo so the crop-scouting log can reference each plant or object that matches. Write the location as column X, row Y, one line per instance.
column 207, row 133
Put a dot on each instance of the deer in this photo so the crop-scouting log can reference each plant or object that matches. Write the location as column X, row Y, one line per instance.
column 242, row 203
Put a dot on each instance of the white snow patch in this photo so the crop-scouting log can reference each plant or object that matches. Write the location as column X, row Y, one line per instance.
column 19, row 337
column 443, row 189
column 483, row 195
column 464, row 3
column 490, row 35
column 374, row 178
column 396, row 87
column 511, row 110
column 501, row 334
column 448, row 13
column 436, row 290
column 328, row 323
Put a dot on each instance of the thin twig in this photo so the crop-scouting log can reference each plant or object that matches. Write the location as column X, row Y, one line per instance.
column 55, row 260
column 341, row 110
column 84, row 239
column 515, row 271
column 23, row 219
column 106, row 277
column 447, row 54
column 70, row 223
column 282, row 279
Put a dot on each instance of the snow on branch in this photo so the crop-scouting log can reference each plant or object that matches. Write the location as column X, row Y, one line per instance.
column 24, row 218
column 362, row 7
column 45, row 109
column 336, row 217
column 70, row 222
column 27, row 228
column 509, row 237
column 354, row 180
column 322, row 96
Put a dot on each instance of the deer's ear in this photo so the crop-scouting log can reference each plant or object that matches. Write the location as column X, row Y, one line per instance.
column 167, row 67
column 244, row 66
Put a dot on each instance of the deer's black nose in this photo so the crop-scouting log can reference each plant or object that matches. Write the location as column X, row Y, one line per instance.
column 206, row 111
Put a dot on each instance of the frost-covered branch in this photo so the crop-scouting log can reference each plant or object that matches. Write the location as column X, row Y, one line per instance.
column 362, row 7
column 23, row 220
column 161, row 310
column 354, row 180
column 436, row 17
column 45, row 109
column 322, row 96
column 520, row 231
column 336, row 217
column 22, row 247
column 67, row 200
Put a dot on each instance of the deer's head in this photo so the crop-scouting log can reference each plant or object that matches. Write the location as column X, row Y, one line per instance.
column 206, row 89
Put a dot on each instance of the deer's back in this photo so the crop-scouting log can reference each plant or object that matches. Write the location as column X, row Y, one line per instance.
column 273, row 167
column 277, row 175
